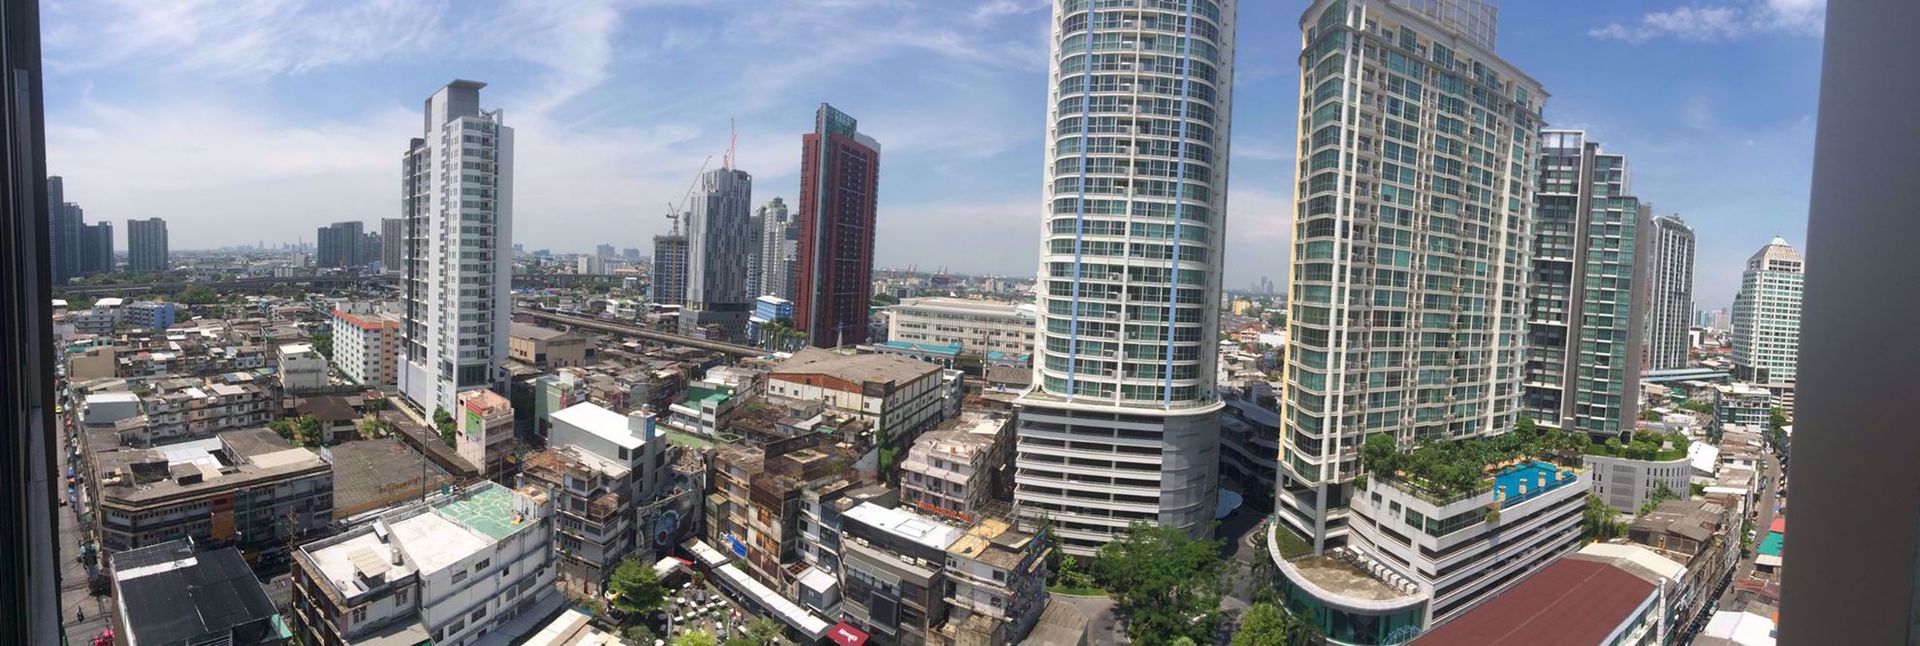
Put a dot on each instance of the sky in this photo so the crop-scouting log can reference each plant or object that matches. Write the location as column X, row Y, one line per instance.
column 241, row 121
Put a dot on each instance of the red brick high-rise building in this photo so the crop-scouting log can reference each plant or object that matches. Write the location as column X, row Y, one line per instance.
column 839, row 188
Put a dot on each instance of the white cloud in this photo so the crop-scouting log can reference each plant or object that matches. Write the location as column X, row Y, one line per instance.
column 1722, row 22
column 238, row 38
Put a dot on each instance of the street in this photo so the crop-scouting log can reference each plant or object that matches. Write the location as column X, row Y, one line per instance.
column 1767, row 504
column 83, row 615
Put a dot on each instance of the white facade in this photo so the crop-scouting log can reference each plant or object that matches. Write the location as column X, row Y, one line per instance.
column 1132, row 237
column 1626, row 483
column 1416, row 328
column 448, row 564
column 1460, row 553
column 1766, row 314
column 366, row 348
column 1742, row 404
column 1670, row 285
column 632, row 441
column 458, row 189
column 778, row 250
column 985, row 326
column 302, row 368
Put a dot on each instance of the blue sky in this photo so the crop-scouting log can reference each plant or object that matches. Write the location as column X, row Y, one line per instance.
column 249, row 120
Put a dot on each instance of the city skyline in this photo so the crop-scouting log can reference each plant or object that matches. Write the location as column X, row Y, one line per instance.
column 606, row 148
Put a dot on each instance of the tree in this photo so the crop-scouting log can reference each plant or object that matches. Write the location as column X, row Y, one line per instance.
column 636, row 588
column 696, row 638
column 1165, row 582
column 196, row 295
column 323, row 344
column 638, row 634
column 1599, row 521
column 1265, row 624
column 373, row 427
column 1661, row 493
column 443, row 421
column 1526, row 425
column 763, row 631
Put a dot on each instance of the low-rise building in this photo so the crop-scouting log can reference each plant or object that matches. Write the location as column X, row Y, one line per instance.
column 366, row 347
column 893, row 573
column 704, row 409
column 631, row 440
column 899, row 396
column 1626, row 483
column 592, row 498
column 954, row 471
column 302, row 368
column 456, row 568
column 1700, row 535
column 997, row 580
column 249, row 489
column 99, row 320
column 978, row 325
column 1743, row 404
column 547, row 347
column 483, row 435
column 1418, row 555
column 1605, row 598
column 190, row 408
column 168, row 593
column 151, row 315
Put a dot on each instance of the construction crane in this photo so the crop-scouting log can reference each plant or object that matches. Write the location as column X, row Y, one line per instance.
column 675, row 211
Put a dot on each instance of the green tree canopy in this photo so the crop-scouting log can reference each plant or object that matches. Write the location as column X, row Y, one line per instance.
column 636, row 588
column 696, row 638
column 1166, row 583
column 1265, row 624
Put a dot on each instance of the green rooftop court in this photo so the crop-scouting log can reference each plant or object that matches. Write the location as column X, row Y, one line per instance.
column 699, row 396
column 488, row 511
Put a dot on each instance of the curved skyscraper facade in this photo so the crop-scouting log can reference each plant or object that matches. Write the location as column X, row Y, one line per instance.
column 1122, row 423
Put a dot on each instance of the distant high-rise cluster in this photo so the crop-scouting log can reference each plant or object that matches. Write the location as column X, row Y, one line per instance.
column 458, row 189
column 839, row 193
column 79, row 249
column 341, row 244
column 393, row 235
column 1766, row 314
column 146, row 245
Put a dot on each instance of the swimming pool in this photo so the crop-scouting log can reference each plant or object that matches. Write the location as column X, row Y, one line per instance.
column 1521, row 482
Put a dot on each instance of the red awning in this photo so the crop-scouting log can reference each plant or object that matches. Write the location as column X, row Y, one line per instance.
column 846, row 635
column 1779, row 525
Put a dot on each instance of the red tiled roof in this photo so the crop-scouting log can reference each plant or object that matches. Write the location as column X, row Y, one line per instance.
column 1571, row 601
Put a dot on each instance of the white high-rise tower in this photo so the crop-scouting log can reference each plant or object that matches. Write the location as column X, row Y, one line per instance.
column 1766, row 314
column 458, row 184
column 1122, row 424
column 1670, row 292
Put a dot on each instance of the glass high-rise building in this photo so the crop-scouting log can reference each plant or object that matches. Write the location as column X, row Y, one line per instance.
column 1669, row 292
column 1411, row 242
column 839, row 201
column 1122, row 423
column 1588, row 304
column 458, row 189
column 1766, row 314
column 717, row 301
column 669, row 286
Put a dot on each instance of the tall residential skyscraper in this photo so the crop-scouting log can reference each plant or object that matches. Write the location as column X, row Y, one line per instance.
column 1766, row 314
column 839, row 190
column 1122, row 424
column 669, row 270
column 63, row 230
column 457, row 178
column 604, row 251
column 1413, row 210
column 146, row 245
column 96, row 245
column 776, row 250
column 393, row 236
column 1669, row 292
column 341, row 244
column 1588, row 298
column 717, row 246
